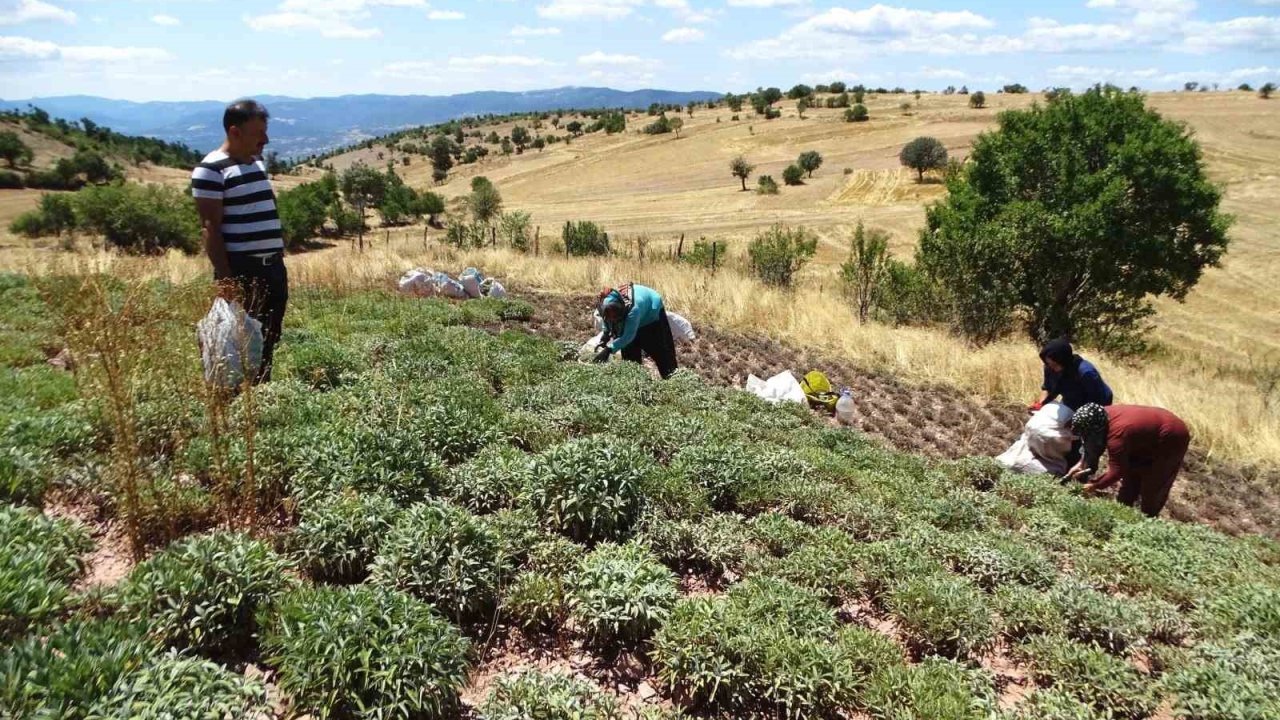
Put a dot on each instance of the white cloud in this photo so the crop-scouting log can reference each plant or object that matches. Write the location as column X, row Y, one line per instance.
column 167, row 20
column 587, row 9
column 30, row 10
column 683, row 11
column 21, row 48
column 446, row 15
column 1260, row 33
column 327, row 18
column 601, row 58
column 882, row 20
column 683, row 35
column 764, row 3
column 936, row 73
column 525, row 31
column 488, row 61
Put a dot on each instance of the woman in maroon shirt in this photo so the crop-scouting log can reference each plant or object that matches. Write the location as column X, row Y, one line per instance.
column 1145, row 448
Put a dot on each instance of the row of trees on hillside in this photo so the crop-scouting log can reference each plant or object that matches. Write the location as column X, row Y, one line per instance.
column 88, row 135
column 86, row 166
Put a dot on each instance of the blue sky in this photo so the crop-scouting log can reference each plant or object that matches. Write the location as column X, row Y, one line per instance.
column 219, row 49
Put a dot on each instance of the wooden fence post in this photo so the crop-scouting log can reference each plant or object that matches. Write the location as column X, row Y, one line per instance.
column 680, row 247
column 713, row 255
column 537, row 234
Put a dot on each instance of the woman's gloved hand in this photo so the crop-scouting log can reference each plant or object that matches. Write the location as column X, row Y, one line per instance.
column 602, row 356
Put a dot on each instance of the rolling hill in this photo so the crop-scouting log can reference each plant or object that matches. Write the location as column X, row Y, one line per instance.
column 307, row 125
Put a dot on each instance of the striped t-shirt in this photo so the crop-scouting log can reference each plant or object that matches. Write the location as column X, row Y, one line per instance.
column 250, row 221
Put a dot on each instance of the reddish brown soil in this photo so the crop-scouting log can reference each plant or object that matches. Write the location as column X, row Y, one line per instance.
column 932, row 420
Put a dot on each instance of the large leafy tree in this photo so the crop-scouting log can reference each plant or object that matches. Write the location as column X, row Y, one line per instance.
column 1075, row 215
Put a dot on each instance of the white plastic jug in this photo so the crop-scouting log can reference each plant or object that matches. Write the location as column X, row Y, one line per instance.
column 844, row 407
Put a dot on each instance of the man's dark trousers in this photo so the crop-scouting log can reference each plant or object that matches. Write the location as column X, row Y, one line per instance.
column 264, row 284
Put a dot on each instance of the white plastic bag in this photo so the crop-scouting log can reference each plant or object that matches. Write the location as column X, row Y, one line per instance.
column 599, row 321
column 448, row 287
column 496, row 290
column 782, row 387
column 470, row 280
column 1044, row 443
column 681, row 329
column 589, row 348
column 230, row 344
column 417, row 282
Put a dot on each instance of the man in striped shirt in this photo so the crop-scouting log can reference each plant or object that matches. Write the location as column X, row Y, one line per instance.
column 240, row 223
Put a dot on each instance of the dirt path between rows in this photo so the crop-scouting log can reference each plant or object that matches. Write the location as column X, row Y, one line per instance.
column 933, row 420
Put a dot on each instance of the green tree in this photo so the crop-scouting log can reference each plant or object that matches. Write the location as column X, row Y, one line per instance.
column 658, row 127
column 778, row 253
column 574, row 127
column 304, row 209
column 584, row 238
column 54, row 215
column 441, row 153
column 363, row 187
column 1245, row 87
column 857, row 113
column 676, row 124
column 514, row 229
column 978, row 100
column 485, row 202
column 809, row 161
column 766, row 185
column 793, row 175
column 1265, row 91
column 923, row 153
column 140, row 219
column 519, row 137
column 14, row 151
column 771, row 95
column 859, row 94
column 431, row 205
column 799, row 91
column 734, row 102
column 866, row 268
column 801, row 105
column 1074, row 215
column 741, row 169
column 539, row 143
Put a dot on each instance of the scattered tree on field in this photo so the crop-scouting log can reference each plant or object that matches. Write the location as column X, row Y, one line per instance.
column 923, row 153
column 14, row 151
column 741, row 169
column 1113, row 207
column 978, row 100
column 809, row 161
column 793, row 175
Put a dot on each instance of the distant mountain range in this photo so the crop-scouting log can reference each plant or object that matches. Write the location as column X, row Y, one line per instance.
column 300, row 126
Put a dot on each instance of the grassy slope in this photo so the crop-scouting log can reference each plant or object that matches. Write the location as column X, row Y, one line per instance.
column 1036, row 584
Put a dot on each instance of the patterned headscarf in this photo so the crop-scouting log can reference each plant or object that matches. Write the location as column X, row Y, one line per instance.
column 1090, row 423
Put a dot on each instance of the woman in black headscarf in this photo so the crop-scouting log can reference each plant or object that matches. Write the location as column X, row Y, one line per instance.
column 1070, row 377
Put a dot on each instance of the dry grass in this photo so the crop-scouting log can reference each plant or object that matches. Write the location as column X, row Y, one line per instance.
column 1218, row 346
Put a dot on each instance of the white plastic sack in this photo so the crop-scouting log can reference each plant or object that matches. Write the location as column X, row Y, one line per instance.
column 417, row 282
column 599, row 321
column 1044, row 443
column 588, row 349
column 448, row 287
column 681, row 329
column 470, row 282
column 230, row 344
column 496, row 290
column 1048, row 432
column 782, row 387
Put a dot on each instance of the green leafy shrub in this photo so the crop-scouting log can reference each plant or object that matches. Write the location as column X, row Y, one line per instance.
column 994, row 561
column 722, row 469
column 536, row 601
column 936, row 689
column 140, row 218
column 621, row 592
column 768, row 647
column 396, row 462
column 41, row 560
column 827, row 565
column 547, row 696
column 777, row 254
column 202, row 592
column 766, row 185
column 585, row 238
column 978, row 473
column 363, row 651
column 339, row 535
column 173, row 686
column 445, row 555
column 59, row 673
column 319, row 362
column 1175, row 561
column 886, row 563
column 714, row 544
column 1025, row 612
column 589, row 489
column 490, row 481
column 778, row 534
column 1234, row 680
column 942, row 616
column 1053, row 705
column 1253, row 608
column 1097, row 618
column 1104, row 682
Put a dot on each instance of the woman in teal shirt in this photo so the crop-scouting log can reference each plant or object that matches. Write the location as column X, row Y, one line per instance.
column 634, row 323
